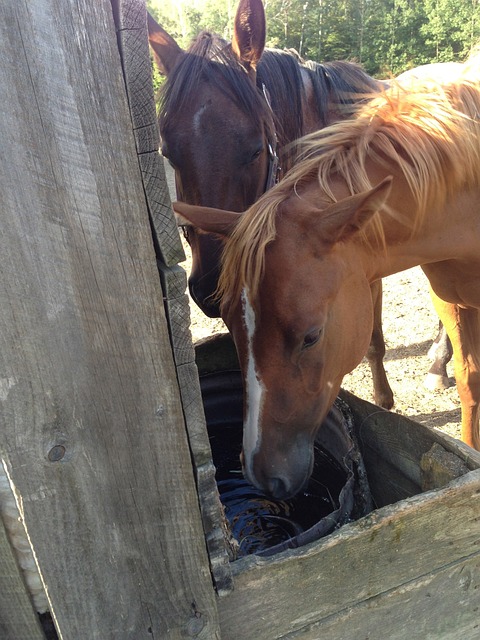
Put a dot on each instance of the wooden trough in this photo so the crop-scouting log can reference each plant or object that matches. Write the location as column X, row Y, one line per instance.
column 410, row 569
column 103, row 438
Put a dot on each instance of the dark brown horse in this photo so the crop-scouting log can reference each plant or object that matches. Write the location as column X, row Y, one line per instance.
column 226, row 112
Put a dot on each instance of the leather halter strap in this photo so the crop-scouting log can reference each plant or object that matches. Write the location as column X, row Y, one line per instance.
column 273, row 173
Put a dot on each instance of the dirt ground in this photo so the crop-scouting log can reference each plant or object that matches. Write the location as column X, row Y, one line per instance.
column 410, row 325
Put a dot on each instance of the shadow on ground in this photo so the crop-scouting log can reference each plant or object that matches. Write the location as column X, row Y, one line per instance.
column 438, row 418
column 407, row 351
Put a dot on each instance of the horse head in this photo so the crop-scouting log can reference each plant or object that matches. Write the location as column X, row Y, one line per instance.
column 217, row 129
column 299, row 328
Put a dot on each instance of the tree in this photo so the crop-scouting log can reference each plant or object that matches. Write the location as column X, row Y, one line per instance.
column 385, row 36
column 452, row 28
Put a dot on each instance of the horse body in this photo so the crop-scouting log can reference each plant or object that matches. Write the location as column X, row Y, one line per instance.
column 296, row 289
column 441, row 350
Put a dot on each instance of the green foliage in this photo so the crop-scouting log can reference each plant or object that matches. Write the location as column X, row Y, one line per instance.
column 385, row 36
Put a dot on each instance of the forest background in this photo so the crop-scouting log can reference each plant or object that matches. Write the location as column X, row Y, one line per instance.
column 386, row 37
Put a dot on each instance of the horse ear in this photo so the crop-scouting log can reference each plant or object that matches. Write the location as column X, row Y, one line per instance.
column 165, row 50
column 249, row 34
column 206, row 219
column 346, row 217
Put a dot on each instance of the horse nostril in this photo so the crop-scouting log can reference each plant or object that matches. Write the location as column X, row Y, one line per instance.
column 277, row 488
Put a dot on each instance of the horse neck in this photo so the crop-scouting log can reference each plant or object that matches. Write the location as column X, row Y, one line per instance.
column 307, row 96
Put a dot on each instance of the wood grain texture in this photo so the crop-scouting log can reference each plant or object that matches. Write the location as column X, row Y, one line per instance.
column 18, row 619
column 178, row 315
column 93, row 430
column 361, row 564
column 131, row 23
column 213, row 517
column 393, row 455
column 439, row 467
column 165, row 231
column 442, row 605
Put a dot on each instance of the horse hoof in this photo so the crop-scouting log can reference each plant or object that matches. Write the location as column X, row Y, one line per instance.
column 385, row 402
column 435, row 382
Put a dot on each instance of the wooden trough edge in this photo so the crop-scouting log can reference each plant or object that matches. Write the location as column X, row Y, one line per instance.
column 386, row 554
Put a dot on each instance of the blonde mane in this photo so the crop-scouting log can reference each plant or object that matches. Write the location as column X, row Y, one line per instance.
column 429, row 133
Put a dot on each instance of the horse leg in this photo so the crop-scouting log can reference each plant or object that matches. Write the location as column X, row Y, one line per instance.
column 441, row 354
column 382, row 392
column 463, row 328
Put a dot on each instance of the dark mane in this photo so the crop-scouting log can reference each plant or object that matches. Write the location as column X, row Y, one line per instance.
column 336, row 87
column 338, row 84
column 280, row 72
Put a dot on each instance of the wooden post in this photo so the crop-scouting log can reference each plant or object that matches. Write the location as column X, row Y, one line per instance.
column 93, row 433
column 131, row 22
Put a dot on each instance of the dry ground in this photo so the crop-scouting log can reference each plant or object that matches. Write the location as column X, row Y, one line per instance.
column 410, row 325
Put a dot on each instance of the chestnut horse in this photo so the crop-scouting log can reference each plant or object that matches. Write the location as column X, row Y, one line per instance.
column 226, row 112
column 395, row 186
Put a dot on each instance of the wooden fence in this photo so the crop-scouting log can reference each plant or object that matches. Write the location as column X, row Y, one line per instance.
column 94, row 428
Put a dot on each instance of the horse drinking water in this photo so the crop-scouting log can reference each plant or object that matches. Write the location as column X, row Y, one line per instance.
column 226, row 112
column 397, row 185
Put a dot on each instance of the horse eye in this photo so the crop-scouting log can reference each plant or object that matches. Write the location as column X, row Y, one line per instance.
column 311, row 338
column 256, row 154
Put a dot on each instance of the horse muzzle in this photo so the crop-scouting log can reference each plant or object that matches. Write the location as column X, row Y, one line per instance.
column 282, row 476
column 203, row 296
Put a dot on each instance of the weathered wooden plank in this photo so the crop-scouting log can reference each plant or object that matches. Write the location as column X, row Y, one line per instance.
column 213, row 517
column 166, row 235
column 217, row 534
column 441, row 605
column 386, row 550
column 439, row 467
column 93, row 432
column 194, row 415
column 131, row 22
column 174, row 285
column 130, row 18
column 18, row 620
column 393, row 455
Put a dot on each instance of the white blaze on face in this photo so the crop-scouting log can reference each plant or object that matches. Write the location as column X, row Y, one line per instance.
column 197, row 120
column 254, row 390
